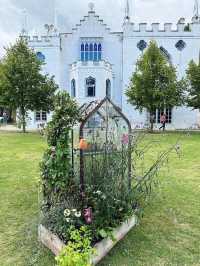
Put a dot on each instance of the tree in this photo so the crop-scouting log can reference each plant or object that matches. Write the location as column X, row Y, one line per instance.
column 154, row 83
column 193, row 77
column 23, row 86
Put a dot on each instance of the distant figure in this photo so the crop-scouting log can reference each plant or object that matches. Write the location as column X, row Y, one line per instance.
column 163, row 121
column 5, row 118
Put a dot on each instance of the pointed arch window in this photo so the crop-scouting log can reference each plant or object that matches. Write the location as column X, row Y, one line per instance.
column 91, row 52
column 108, row 88
column 99, row 52
column 73, row 88
column 166, row 54
column 82, row 52
column 95, row 52
column 90, row 87
column 86, row 52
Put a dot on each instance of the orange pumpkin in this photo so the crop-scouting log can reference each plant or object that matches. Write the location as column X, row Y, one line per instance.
column 83, row 145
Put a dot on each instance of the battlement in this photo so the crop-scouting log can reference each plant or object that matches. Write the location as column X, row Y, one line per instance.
column 160, row 28
column 42, row 40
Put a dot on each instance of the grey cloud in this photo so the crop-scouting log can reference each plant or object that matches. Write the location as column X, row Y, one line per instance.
column 70, row 12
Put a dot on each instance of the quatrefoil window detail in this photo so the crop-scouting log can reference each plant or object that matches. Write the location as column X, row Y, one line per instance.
column 141, row 45
column 180, row 45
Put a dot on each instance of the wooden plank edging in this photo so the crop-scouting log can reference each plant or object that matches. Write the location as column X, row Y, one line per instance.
column 52, row 242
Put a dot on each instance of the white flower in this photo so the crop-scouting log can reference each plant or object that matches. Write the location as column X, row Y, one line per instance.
column 67, row 213
column 77, row 214
column 103, row 197
column 98, row 192
column 74, row 210
column 68, row 220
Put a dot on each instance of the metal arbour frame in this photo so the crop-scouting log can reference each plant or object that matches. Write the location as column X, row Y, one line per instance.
column 87, row 112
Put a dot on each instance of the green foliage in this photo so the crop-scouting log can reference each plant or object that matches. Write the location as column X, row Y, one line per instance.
column 78, row 250
column 193, row 77
column 107, row 191
column 22, row 85
column 65, row 116
column 58, row 218
column 154, row 83
column 171, row 219
column 56, row 166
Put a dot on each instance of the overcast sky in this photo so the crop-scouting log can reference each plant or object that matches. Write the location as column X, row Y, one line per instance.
column 71, row 11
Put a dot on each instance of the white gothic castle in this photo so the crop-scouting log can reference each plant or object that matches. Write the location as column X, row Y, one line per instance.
column 91, row 61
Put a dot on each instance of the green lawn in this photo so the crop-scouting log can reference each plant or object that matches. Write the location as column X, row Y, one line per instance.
column 169, row 233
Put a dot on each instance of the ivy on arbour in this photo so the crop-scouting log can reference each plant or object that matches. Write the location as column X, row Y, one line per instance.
column 56, row 166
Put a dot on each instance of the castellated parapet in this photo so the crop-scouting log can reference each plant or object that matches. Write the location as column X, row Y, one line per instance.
column 160, row 29
column 45, row 40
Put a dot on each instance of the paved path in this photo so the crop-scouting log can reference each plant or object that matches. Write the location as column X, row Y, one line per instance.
column 9, row 128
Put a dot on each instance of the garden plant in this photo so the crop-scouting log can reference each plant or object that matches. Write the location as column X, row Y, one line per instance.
column 81, row 215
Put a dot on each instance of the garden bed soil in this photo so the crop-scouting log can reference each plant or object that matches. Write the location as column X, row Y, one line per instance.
column 102, row 248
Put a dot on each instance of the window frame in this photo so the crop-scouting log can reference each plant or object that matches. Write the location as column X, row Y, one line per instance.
column 169, row 115
column 40, row 116
column 90, row 87
column 108, row 93
column 73, row 88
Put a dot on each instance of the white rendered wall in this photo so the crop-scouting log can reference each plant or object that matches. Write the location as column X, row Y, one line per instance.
column 119, row 56
column 182, row 117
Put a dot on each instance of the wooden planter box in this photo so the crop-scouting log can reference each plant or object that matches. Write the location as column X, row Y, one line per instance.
column 102, row 248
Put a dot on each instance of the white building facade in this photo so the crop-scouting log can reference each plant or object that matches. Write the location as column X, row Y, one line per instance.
column 91, row 62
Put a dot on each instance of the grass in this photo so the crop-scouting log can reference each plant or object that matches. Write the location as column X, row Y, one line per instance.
column 168, row 234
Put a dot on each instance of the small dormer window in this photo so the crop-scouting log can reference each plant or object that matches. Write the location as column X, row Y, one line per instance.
column 91, row 51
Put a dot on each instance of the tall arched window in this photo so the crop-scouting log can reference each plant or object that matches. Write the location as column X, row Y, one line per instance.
column 108, row 88
column 99, row 52
column 90, row 87
column 82, row 52
column 166, row 54
column 73, row 88
column 95, row 52
column 86, row 52
column 91, row 52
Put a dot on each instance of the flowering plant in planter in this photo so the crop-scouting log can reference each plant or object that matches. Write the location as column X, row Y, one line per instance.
column 83, row 207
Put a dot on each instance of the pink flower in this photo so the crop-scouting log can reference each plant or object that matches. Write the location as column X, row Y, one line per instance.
column 125, row 139
column 88, row 215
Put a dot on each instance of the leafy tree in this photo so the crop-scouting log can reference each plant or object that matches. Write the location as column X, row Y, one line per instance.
column 154, row 83
column 22, row 85
column 193, row 77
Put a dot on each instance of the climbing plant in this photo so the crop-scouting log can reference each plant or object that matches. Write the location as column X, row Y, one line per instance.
column 56, row 166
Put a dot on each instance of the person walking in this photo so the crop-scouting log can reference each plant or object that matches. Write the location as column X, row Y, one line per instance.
column 5, row 118
column 163, row 119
